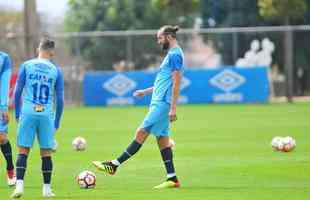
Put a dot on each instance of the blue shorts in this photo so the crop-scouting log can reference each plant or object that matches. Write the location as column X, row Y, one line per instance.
column 156, row 121
column 30, row 126
column 3, row 126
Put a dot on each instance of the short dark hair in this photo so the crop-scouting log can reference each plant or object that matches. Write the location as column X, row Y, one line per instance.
column 170, row 30
column 46, row 44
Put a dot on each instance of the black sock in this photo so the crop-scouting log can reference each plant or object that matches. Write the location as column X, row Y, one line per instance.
column 21, row 165
column 130, row 151
column 47, row 168
column 7, row 152
column 174, row 179
column 167, row 157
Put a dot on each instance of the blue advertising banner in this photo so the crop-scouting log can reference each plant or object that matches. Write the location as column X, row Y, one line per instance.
column 223, row 85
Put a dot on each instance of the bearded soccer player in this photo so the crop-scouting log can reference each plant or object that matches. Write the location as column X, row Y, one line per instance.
column 5, row 75
column 41, row 83
column 162, row 110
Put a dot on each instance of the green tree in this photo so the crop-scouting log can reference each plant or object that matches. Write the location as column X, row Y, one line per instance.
column 232, row 13
column 105, row 15
column 11, row 23
column 284, row 11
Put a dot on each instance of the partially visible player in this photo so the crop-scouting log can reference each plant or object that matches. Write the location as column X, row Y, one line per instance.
column 40, row 81
column 5, row 75
column 162, row 111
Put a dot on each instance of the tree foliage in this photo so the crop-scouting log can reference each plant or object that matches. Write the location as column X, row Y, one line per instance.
column 282, row 10
column 231, row 13
column 106, row 15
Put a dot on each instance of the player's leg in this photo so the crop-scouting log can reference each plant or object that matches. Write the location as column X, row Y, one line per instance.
column 111, row 166
column 133, row 147
column 46, row 142
column 161, row 130
column 47, row 169
column 167, row 156
column 25, row 138
column 141, row 135
column 6, row 150
column 21, row 165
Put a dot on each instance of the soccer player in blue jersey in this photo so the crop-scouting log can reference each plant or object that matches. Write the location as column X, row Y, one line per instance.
column 40, row 83
column 5, row 75
column 162, row 110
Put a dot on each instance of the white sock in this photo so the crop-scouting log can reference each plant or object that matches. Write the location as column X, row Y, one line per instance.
column 47, row 186
column 20, row 184
column 171, row 175
column 115, row 162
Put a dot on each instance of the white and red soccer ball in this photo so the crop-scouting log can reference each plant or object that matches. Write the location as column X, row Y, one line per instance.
column 79, row 143
column 283, row 144
column 86, row 180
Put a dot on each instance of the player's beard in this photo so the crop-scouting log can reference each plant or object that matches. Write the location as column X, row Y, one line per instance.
column 165, row 45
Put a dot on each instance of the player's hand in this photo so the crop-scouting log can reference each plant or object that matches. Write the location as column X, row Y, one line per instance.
column 5, row 116
column 139, row 93
column 173, row 114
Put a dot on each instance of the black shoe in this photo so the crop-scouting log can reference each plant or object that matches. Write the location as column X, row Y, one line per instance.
column 106, row 166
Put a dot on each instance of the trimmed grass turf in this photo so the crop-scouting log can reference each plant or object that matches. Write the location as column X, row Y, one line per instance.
column 222, row 152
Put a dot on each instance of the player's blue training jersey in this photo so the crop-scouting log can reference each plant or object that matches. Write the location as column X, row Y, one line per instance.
column 5, row 75
column 39, row 79
column 162, row 89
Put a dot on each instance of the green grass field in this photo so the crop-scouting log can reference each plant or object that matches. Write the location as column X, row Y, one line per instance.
column 222, row 152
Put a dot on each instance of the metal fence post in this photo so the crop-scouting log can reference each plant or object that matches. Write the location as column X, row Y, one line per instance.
column 129, row 48
column 288, row 62
column 235, row 46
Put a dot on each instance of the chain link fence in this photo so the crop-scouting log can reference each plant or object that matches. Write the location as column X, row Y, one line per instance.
column 78, row 53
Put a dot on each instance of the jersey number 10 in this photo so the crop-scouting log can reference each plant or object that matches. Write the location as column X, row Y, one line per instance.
column 41, row 93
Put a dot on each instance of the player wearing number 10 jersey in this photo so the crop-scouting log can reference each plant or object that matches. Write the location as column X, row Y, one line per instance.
column 40, row 81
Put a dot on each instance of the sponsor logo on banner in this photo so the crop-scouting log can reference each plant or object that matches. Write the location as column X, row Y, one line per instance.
column 227, row 80
column 120, row 85
column 185, row 82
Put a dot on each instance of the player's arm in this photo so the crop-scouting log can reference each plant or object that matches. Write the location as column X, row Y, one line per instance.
column 59, row 90
column 4, row 87
column 141, row 93
column 177, row 64
column 20, row 83
column 176, row 78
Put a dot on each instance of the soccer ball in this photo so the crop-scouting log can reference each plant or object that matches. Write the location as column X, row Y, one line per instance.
column 79, row 144
column 86, row 180
column 288, row 144
column 276, row 143
column 283, row 144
